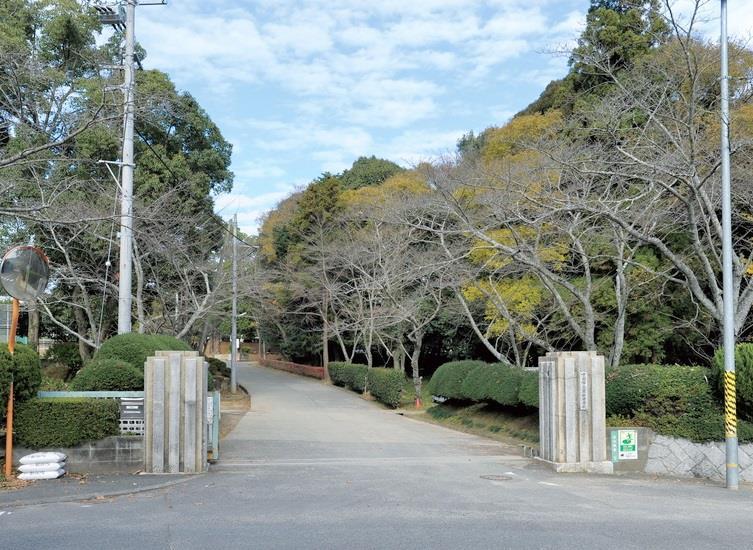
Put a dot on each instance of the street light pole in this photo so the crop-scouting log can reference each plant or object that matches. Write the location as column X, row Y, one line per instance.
column 730, row 412
column 234, row 320
column 126, row 203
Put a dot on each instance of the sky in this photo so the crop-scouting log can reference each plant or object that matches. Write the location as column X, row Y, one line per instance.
column 308, row 86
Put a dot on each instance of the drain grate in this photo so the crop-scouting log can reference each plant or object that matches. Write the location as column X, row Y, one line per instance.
column 496, row 477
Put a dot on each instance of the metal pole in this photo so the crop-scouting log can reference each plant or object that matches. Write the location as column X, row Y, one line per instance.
column 126, row 204
column 233, row 320
column 730, row 412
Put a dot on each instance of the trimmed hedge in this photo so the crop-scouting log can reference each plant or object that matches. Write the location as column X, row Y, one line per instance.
column 386, row 385
column 496, row 382
column 134, row 348
column 448, row 379
column 528, row 394
column 24, row 368
column 108, row 375
column 348, row 375
column 672, row 400
column 43, row 423
column 743, row 377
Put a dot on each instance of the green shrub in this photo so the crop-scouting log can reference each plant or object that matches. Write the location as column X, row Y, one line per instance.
column 528, row 393
column 108, row 375
column 52, row 384
column 44, row 423
column 349, row 375
column 448, row 379
column 743, row 377
column 65, row 354
column 24, row 368
column 386, row 385
column 218, row 367
column 496, row 382
column 134, row 348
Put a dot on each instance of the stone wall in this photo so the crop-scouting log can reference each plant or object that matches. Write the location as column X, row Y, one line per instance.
column 112, row 455
column 683, row 458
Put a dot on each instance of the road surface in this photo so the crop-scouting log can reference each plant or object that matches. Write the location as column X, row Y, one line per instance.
column 313, row 466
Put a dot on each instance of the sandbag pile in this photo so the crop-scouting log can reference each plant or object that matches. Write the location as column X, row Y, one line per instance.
column 42, row 466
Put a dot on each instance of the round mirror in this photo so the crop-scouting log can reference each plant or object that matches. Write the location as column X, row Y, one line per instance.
column 24, row 272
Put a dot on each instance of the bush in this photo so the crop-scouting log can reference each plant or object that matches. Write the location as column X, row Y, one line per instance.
column 218, row 367
column 43, row 423
column 448, row 379
column 743, row 377
column 497, row 382
column 108, row 375
column 65, row 354
column 24, row 369
column 134, row 348
column 348, row 375
column 386, row 385
column 671, row 400
column 528, row 393
column 52, row 384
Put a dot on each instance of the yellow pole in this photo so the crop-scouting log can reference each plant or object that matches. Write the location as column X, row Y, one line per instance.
column 15, row 311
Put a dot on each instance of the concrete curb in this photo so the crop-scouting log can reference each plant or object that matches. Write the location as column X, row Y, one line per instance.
column 97, row 494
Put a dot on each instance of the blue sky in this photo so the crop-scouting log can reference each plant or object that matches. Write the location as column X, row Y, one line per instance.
column 302, row 87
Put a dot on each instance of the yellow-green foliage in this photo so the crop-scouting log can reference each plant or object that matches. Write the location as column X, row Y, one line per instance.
column 508, row 141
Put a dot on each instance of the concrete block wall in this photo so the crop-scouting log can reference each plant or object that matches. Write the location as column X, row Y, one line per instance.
column 683, row 458
column 111, row 455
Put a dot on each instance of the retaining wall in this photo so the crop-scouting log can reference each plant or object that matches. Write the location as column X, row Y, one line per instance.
column 683, row 458
column 111, row 455
column 295, row 368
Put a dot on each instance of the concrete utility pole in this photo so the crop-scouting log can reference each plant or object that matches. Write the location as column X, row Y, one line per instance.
column 730, row 394
column 126, row 201
column 234, row 314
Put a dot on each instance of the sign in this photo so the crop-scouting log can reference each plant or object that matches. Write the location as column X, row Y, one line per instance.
column 627, row 441
column 583, row 390
column 131, row 408
column 210, row 409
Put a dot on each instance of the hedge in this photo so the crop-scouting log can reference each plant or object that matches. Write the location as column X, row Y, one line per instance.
column 672, row 400
column 448, row 379
column 108, row 375
column 528, row 394
column 386, row 385
column 496, row 382
column 24, row 368
column 134, row 348
column 44, row 423
column 743, row 377
column 348, row 375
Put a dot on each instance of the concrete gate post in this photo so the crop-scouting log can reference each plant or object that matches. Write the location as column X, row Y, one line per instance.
column 175, row 401
column 572, row 412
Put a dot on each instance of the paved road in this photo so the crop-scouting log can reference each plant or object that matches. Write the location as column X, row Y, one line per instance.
column 313, row 466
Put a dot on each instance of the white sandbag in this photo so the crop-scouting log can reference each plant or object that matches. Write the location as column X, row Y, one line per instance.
column 31, row 476
column 46, row 467
column 42, row 458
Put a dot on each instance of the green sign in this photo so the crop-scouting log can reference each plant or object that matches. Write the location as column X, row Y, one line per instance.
column 624, row 444
column 628, row 444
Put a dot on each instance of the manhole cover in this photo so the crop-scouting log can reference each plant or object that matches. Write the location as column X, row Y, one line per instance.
column 494, row 477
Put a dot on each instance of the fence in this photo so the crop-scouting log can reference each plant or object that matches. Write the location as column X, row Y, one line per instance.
column 295, row 368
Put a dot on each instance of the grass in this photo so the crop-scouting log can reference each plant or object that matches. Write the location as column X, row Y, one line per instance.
column 408, row 397
column 509, row 425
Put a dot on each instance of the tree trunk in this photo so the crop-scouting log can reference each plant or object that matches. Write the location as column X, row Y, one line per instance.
column 415, row 356
column 82, row 327
column 33, row 327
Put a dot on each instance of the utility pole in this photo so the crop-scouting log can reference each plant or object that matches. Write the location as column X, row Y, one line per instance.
column 233, row 320
column 730, row 394
column 126, row 201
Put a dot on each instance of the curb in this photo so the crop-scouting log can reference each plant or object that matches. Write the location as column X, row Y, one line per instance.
column 95, row 495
